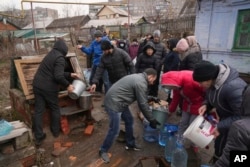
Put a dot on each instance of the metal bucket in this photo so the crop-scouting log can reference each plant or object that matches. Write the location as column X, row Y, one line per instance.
column 85, row 100
column 79, row 86
column 160, row 115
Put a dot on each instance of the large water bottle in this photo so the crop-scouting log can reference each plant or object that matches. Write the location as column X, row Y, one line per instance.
column 170, row 145
column 163, row 134
column 149, row 134
column 179, row 156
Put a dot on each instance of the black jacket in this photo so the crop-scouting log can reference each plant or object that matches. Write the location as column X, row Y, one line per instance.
column 190, row 61
column 145, row 61
column 239, row 133
column 50, row 73
column 118, row 64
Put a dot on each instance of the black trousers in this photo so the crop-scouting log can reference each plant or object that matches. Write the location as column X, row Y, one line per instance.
column 43, row 99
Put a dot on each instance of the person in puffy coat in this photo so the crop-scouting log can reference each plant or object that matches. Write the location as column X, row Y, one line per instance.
column 239, row 133
column 224, row 90
column 187, row 90
column 50, row 74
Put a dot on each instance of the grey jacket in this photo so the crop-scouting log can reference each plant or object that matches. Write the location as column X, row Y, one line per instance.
column 239, row 133
column 127, row 90
column 226, row 96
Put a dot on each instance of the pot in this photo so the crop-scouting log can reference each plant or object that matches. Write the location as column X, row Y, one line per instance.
column 79, row 86
column 85, row 100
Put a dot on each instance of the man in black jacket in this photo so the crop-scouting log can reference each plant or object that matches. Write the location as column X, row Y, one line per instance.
column 48, row 77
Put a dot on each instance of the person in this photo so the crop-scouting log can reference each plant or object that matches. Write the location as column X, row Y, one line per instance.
column 148, row 37
column 160, row 55
column 224, row 90
column 187, row 90
column 147, row 59
column 95, row 49
column 239, row 133
column 133, row 50
column 189, row 52
column 116, row 61
column 47, row 79
column 171, row 60
column 123, row 93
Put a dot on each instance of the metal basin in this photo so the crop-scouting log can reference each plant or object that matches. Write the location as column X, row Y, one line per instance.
column 85, row 100
column 79, row 86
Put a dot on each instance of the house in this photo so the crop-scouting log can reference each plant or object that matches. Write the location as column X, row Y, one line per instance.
column 39, row 25
column 223, row 31
column 68, row 24
column 109, row 12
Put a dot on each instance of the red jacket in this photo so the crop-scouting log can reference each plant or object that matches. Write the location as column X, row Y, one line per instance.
column 188, row 90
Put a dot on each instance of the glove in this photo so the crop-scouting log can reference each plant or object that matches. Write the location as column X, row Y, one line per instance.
column 154, row 123
column 154, row 99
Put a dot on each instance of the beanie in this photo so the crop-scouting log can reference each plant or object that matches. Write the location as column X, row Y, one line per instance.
column 157, row 33
column 182, row 45
column 106, row 45
column 98, row 33
column 204, row 71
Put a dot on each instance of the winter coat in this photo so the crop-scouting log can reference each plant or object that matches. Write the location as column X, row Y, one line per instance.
column 190, row 61
column 226, row 96
column 50, row 73
column 160, row 52
column 171, row 60
column 145, row 61
column 133, row 50
column 127, row 90
column 188, row 90
column 95, row 49
column 118, row 64
column 239, row 133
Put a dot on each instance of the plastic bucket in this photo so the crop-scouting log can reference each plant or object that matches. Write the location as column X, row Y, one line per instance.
column 199, row 132
column 160, row 116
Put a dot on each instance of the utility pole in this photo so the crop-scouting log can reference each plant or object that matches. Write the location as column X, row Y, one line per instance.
column 128, row 22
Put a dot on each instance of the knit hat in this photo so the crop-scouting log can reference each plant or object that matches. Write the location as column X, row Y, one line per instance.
column 182, row 45
column 98, row 33
column 204, row 71
column 157, row 33
column 106, row 45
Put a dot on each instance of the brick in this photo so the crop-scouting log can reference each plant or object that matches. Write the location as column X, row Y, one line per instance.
column 57, row 152
column 89, row 130
column 67, row 144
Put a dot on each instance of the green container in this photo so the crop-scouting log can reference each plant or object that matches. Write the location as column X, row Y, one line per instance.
column 160, row 116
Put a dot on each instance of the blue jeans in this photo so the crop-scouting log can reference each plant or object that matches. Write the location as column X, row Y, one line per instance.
column 114, row 128
column 104, row 80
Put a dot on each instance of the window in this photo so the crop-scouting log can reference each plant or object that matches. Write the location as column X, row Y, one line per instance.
column 242, row 33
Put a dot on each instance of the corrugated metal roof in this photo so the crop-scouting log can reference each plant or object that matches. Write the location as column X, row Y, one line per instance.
column 108, row 22
column 43, row 35
column 39, row 24
column 22, row 33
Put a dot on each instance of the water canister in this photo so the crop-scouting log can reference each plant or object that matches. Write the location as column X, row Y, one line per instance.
column 170, row 145
column 179, row 155
column 149, row 134
column 163, row 134
column 160, row 114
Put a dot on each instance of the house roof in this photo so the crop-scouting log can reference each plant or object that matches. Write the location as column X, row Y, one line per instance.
column 22, row 33
column 114, row 10
column 43, row 35
column 67, row 22
column 39, row 24
column 8, row 26
column 113, row 21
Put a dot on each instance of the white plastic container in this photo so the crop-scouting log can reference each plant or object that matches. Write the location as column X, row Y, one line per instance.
column 199, row 132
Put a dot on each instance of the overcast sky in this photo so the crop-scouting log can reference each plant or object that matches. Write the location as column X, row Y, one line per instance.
column 5, row 4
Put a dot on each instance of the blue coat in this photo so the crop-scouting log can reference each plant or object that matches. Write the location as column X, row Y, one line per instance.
column 95, row 49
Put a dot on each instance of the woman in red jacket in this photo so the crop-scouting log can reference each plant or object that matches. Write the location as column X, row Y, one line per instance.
column 187, row 90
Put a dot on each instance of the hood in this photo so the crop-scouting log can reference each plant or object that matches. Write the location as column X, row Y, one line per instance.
column 192, row 42
column 172, row 43
column 245, row 107
column 151, row 45
column 171, row 78
column 61, row 47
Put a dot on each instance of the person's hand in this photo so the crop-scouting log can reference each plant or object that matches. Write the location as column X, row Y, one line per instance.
column 75, row 75
column 70, row 88
column 79, row 46
column 153, row 124
column 92, row 88
column 215, row 132
column 202, row 109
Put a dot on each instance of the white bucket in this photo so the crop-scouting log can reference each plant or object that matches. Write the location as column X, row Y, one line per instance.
column 199, row 132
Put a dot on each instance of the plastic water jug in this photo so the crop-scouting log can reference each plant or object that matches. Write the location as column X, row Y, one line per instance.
column 170, row 145
column 163, row 134
column 179, row 155
column 149, row 134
